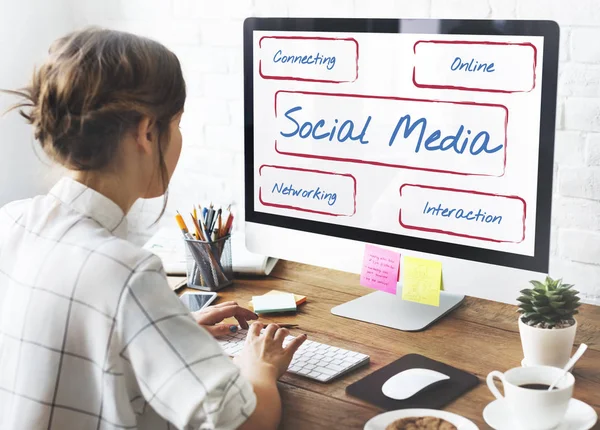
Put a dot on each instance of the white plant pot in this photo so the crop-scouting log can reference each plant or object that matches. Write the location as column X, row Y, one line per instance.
column 546, row 347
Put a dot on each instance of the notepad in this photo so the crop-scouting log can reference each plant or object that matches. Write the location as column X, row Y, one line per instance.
column 272, row 303
column 297, row 297
column 422, row 281
column 380, row 269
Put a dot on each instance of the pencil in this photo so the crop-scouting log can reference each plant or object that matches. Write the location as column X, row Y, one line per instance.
column 182, row 226
column 204, row 230
column 197, row 227
column 219, row 222
column 186, row 235
column 229, row 225
column 223, row 231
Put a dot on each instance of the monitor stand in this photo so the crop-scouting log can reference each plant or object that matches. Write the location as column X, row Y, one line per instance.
column 391, row 311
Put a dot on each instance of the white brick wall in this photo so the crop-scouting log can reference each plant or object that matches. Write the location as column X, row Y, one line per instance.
column 583, row 48
column 460, row 8
column 583, row 182
column 579, row 245
column 592, row 149
column 582, row 113
column 578, row 79
column 569, row 148
column 207, row 37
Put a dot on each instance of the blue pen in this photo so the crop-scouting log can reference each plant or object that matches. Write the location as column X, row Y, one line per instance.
column 214, row 219
column 210, row 219
column 205, row 231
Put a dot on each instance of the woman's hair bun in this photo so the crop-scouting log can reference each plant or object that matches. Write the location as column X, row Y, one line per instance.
column 95, row 85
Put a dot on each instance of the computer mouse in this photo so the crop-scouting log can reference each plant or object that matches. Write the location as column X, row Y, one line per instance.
column 409, row 382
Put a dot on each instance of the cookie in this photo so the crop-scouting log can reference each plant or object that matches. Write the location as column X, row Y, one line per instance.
column 420, row 423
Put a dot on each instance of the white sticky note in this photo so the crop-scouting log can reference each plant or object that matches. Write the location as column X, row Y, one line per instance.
column 271, row 303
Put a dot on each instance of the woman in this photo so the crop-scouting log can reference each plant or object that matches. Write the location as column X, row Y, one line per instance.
column 91, row 336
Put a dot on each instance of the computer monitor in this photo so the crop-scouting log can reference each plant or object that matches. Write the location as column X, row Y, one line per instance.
column 430, row 137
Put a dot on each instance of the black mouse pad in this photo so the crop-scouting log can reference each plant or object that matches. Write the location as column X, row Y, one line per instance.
column 434, row 397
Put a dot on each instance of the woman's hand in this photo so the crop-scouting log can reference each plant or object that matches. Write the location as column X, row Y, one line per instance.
column 211, row 317
column 262, row 361
column 264, row 356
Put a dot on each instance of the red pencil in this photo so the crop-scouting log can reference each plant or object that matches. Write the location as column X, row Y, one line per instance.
column 229, row 224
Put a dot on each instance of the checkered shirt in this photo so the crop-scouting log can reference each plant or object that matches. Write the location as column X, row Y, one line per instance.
column 91, row 336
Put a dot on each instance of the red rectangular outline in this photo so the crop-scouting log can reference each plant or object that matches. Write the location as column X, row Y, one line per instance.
column 323, row 172
column 433, row 230
column 296, row 78
column 471, row 42
column 399, row 166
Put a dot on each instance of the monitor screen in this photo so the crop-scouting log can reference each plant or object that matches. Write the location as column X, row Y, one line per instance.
column 431, row 135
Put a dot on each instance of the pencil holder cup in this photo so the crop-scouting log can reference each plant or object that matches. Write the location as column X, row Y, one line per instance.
column 208, row 264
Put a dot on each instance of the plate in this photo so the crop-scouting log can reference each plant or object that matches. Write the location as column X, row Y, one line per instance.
column 579, row 416
column 381, row 421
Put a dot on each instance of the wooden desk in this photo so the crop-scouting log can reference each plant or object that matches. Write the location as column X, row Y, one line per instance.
column 479, row 337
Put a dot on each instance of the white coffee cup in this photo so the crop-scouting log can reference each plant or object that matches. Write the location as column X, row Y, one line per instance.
column 531, row 408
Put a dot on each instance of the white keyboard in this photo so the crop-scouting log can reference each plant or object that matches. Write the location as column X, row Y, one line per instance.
column 313, row 360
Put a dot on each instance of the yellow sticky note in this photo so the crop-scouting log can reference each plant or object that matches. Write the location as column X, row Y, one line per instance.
column 422, row 281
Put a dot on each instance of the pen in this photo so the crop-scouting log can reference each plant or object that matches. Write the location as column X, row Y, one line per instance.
column 213, row 220
column 199, row 221
column 209, row 218
column 202, row 223
column 287, row 325
column 234, row 328
column 204, row 230
column 219, row 223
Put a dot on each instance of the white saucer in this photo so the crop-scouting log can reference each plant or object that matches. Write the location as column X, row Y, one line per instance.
column 579, row 416
column 381, row 421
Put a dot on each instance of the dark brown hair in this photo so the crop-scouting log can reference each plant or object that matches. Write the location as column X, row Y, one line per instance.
column 96, row 85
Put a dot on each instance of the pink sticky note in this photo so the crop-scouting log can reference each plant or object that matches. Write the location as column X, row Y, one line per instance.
column 380, row 269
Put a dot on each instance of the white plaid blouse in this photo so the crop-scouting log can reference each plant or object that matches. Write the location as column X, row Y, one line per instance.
column 91, row 336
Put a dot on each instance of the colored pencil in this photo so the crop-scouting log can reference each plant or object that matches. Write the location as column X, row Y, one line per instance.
column 197, row 227
column 181, row 224
column 218, row 222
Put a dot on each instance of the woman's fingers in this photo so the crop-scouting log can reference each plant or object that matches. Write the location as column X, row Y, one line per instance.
column 220, row 305
column 220, row 330
column 239, row 312
column 243, row 323
column 280, row 335
column 216, row 315
column 254, row 330
column 294, row 344
column 271, row 330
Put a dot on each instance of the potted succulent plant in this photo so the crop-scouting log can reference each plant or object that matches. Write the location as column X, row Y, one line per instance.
column 547, row 324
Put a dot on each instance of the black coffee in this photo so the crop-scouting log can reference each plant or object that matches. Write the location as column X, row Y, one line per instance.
column 536, row 386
